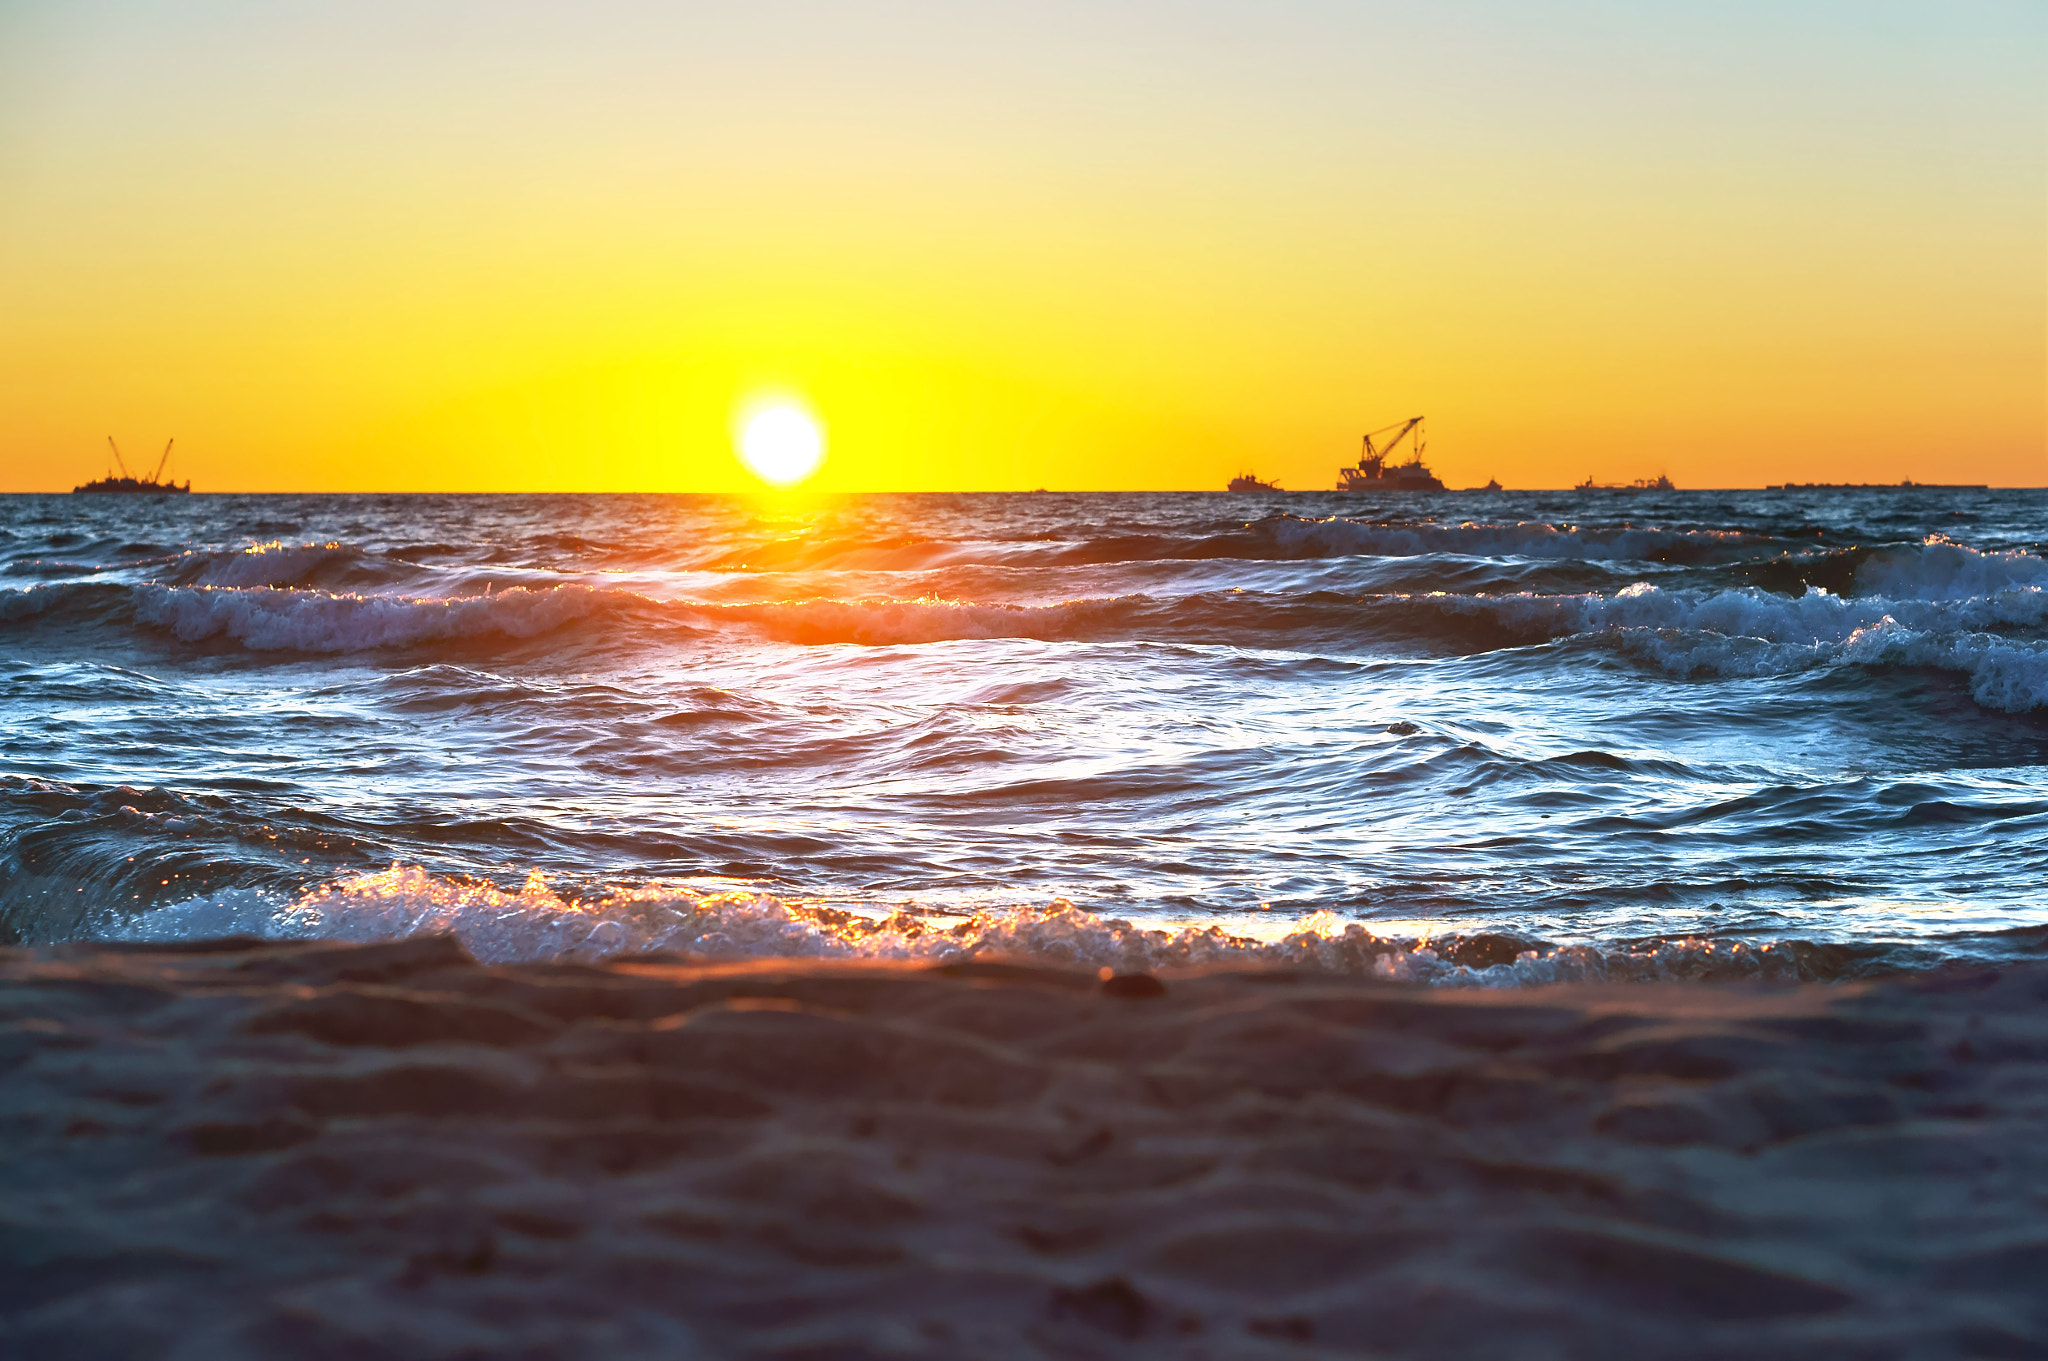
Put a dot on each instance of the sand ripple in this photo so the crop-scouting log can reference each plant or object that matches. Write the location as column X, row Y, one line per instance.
column 325, row 1150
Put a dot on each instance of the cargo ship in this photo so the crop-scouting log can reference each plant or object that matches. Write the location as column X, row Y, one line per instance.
column 1907, row 485
column 127, row 485
column 1247, row 482
column 1373, row 473
column 1641, row 484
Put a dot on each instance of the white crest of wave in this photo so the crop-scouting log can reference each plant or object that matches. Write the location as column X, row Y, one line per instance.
column 267, row 564
column 1754, row 633
column 269, row 619
column 1941, row 569
column 272, row 619
column 535, row 923
column 28, row 602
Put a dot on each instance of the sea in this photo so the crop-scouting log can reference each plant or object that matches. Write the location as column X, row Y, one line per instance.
column 1467, row 739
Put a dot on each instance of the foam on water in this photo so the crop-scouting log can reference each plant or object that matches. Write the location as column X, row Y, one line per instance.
column 269, row 619
column 501, row 926
column 1941, row 569
column 1688, row 632
column 1583, row 735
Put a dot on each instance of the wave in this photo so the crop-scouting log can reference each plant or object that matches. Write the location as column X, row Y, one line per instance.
column 69, row 600
column 1935, row 569
column 1941, row 569
column 1291, row 537
column 1818, row 617
column 1523, row 539
column 535, row 923
column 1734, row 632
column 263, row 564
column 272, row 619
column 1280, row 537
column 1753, row 633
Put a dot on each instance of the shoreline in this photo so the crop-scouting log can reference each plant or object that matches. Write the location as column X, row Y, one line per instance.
column 239, row 1148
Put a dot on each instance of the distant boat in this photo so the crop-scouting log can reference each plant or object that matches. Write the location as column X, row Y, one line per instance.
column 1372, row 472
column 1908, row 485
column 1641, row 484
column 1491, row 485
column 1246, row 482
column 126, row 485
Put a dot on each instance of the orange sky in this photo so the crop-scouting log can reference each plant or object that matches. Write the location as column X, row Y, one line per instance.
column 519, row 246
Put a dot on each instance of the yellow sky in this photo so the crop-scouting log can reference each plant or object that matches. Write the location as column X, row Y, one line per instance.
column 515, row 246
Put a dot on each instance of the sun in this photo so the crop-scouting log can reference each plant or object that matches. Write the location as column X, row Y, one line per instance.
column 782, row 443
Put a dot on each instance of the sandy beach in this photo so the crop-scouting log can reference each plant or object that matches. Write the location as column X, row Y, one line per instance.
column 243, row 1149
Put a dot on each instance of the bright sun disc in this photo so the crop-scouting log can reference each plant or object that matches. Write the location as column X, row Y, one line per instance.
column 782, row 444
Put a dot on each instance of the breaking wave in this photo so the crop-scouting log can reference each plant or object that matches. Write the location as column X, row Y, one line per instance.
column 1745, row 632
column 1755, row 633
column 535, row 923
column 269, row 618
column 1940, row 569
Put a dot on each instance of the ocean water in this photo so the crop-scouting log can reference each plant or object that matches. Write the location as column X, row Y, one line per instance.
column 1463, row 738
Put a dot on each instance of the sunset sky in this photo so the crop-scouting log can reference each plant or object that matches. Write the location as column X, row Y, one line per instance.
column 507, row 245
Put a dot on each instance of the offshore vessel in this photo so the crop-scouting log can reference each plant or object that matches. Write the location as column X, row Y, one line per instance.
column 1372, row 472
column 1908, row 485
column 1641, row 484
column 1246, row 482
column 127, row 485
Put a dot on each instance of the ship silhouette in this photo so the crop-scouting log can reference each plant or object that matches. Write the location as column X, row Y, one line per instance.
column 129, row 485
column 1372, row 472
column 1657, row 483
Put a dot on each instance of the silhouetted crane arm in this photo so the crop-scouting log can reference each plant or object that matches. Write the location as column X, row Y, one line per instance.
column 120, row 462
column 1400, row 429
column 163, row 462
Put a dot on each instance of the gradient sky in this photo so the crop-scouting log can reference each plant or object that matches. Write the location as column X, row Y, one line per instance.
column 507, row 245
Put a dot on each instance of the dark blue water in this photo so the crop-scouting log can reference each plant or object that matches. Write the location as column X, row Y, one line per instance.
column 1492, row 737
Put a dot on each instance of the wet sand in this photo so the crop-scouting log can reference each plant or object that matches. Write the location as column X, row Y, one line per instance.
column 249, row 1150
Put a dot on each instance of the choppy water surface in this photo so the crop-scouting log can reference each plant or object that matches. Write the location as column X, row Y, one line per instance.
column 1498, row 737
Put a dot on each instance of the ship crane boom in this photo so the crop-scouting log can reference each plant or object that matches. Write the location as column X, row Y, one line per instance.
column 119, row 462
column 163, row 462
column 1400, row 429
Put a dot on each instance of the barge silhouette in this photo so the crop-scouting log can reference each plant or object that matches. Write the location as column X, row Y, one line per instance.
column 129, row 485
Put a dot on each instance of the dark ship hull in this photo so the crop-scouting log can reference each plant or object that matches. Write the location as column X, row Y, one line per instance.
column 1246, row 482
column 131, row 486
column 1407, row 477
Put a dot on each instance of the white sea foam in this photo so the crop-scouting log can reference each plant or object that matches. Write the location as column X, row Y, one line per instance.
column 535, row 923
column 1744, row 632
column 2003, row 674
column 1939, row 569
column 1816, row 617
column 1755, row 633
column 270, row 619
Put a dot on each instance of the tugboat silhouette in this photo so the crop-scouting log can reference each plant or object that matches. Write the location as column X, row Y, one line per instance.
column 125, row 485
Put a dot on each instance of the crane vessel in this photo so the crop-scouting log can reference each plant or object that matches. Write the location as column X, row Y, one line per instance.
column 128, row 485
column 1372, row 472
